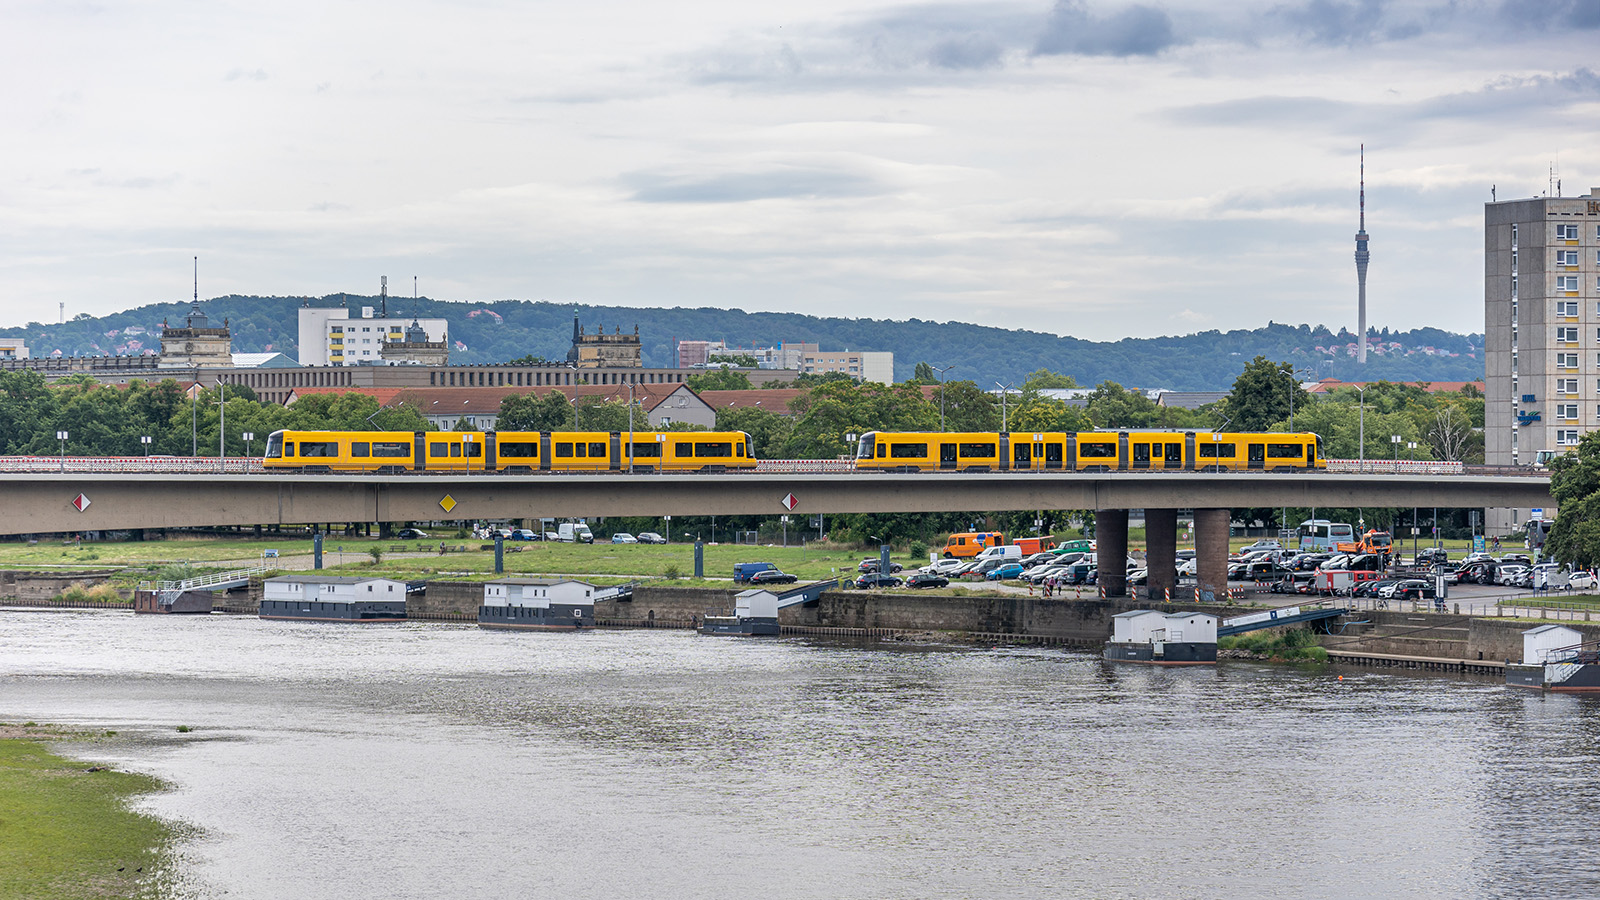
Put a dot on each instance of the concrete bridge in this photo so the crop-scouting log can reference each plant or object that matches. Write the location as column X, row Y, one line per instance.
column 38, row 502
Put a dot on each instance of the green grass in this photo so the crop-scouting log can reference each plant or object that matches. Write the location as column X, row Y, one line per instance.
column 67, row 833
column 1294, row 644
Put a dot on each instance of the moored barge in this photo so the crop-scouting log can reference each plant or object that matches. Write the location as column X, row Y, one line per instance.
column 333, row 598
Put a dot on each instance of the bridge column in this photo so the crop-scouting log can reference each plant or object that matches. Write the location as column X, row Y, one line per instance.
column 1211, row 527
column 1161, row 551
column 1111, row 550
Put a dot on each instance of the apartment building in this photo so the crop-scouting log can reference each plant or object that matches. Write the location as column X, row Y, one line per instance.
column 1541, row 328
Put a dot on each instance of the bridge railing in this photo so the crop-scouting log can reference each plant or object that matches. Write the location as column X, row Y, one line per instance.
column 179, row 465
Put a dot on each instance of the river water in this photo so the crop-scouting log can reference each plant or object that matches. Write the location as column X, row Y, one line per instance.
column 430, row 760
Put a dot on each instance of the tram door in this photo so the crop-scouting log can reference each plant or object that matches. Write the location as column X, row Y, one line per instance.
column 947, row 456
column 1258, row 456
column 1141, row 456
column 1174, row 458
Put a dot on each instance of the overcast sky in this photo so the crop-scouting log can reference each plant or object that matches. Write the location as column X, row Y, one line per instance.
column 1098, row 169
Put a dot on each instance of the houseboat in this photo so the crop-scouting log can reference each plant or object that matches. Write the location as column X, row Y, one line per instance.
column 755, row 612
column 1164, row 639
column 1556, row 658
column 333, row 598
column 546, row 604
column 150, row 600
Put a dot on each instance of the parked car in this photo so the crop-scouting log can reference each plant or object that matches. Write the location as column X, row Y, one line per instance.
column 1507, row 573
column 871, row 565
column 1139, row 576
column 1189, row 568
column 1004, row 571
column 650, row 537
column 524, row 534
column 1264, row 544
column 1079, row 573
column 552, row 536
column 944, row 566
column 878, row 580
column 410, row 534
column 1409, row 589
column 1029, row 562
column 622, row 537
column 771, row 576
column 1371, row 588
column 1581, row 581
column 927, row 580
column 1432, row 556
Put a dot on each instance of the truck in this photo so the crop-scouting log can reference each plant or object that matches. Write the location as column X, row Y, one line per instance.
column 971, row 543
column 1340, row 581
column 1379, row 543
column 1032, row 545
column 575, row 532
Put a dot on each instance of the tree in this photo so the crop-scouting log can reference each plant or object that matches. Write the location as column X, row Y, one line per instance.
column 1264, row 393
column 1113, row 406
column 923, row 374
column 595, row 414
column 742, row 360
column 1043, row 379
column 966, row 407
column 769, row 432
column 812, row 379
column 529, row 412
column 833, row 410
column 718, row 380
column 1575, row 485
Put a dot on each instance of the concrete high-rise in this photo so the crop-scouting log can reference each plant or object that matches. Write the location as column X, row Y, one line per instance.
column 1362, row 256
column 1541, row 315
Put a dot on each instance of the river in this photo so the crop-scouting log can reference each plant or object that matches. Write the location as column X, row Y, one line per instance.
column 430, row 760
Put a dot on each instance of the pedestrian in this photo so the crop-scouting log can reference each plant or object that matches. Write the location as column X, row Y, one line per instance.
column 441, row 548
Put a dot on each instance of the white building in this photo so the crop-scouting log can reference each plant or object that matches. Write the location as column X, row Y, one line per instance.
column 330, row 337
column 1541, row 344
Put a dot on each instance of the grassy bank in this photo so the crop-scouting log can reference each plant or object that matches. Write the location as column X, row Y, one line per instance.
column 67, row 832
column 1292, row 644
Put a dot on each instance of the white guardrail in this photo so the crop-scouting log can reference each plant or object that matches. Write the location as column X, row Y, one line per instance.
column 239, row 465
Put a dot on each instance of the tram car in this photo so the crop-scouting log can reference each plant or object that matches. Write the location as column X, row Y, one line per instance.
column 1087, row 451
column 512, row 452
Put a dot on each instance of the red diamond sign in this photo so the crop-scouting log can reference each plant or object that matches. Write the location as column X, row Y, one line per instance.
column 81, row 502
column 790, row 501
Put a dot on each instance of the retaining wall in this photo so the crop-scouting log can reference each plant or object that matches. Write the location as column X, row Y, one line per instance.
column 28, row 586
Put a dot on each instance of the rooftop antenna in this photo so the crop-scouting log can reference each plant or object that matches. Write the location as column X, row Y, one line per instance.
column 383, row 298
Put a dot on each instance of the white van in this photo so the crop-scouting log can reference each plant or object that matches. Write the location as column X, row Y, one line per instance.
column 575, row 532
column 1009, row 552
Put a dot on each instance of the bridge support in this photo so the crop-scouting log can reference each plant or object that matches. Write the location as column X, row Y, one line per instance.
column 1211, row 528
column 1161, row 551
column 1111, row 550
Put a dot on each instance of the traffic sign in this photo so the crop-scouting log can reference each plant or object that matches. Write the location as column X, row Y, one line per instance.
column 81, row 502
column 790, row 501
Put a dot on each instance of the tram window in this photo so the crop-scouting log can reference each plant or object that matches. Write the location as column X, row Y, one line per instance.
column 360, row 449
column 439, row 450
column 908, row 451
column 597, row 450
column 1286, row 451
column 651, row 450
column 1022, row 453
column 883, row 450
column 713, row 448
column 683, row 449
column 738, row 450
column 1101, row 451
column 321, row 449
column 474, row 450
column 564, row 450
column 1214, row 450
column 518, row 448
column 982, row 451
column 391, row 449
column 580, row 450
column 455, row 450
column 288, row 448
column 1052, row 453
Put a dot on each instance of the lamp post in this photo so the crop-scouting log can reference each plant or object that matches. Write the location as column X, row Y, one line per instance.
column 222, row 425
column 941, row 393
column 630, row 428
column 1395, row 440
column 248, row 437
column 194, row 416
column 145, row 440
column 1362, row 391
column 1004, row 390
column 466, row 453
column 62, row 437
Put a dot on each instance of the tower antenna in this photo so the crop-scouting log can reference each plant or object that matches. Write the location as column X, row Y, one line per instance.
column 383, row 298
column 1362, row 257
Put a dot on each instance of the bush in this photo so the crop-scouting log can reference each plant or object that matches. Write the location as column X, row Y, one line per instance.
column 919, row 549
column 671, row 573
column 100, row 593
column 376, row 553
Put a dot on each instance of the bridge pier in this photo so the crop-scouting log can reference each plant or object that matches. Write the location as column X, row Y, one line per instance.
column 1111, row 550
column 1211, row 528
column 1161, row 552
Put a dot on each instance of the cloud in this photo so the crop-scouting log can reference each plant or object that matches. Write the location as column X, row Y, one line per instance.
column 779, row 182
column 1136, row 30
column 1550, row 15
column 243, row 75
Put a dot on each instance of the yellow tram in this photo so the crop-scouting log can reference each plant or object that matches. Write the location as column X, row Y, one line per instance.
column 1087, row 451
column 512, row 452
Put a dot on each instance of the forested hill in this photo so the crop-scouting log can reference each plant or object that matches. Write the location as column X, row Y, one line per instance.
column 511, row 329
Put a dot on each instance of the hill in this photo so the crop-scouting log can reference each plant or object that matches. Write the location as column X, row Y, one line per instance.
column 511, row 329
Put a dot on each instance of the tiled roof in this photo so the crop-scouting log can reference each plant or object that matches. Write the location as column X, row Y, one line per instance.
column 486, row 400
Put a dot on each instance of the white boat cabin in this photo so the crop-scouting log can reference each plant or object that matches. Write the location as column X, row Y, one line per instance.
column 756, row 604
column 331, row 589
column 1540, row 644
column 538, row 593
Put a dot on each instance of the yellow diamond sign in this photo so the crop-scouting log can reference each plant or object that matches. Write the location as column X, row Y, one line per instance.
column 448, row 503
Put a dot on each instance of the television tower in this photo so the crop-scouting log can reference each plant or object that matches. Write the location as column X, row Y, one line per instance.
column 1362, row 256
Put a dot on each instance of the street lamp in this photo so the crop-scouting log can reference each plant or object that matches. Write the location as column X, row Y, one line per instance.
column 630, row 428
column 222, row 425
column 248, row 437
column 941, row 393
column 1004, row 390
column 145, row 440
column 1362, row 391
column 466, row 453
column 1395, row 440
column 62, row 437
